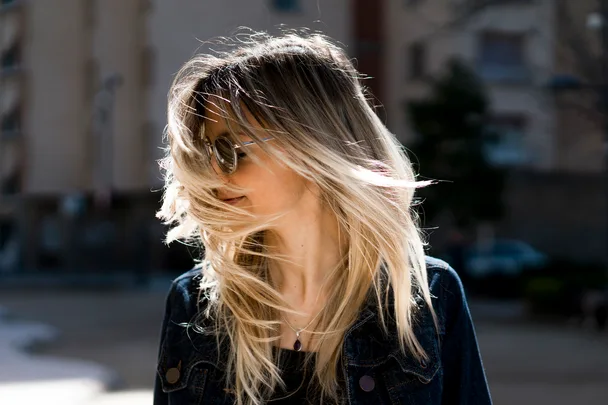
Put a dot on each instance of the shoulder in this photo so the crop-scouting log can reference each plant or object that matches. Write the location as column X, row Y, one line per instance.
column 444, row 283
column 184, row 298
column 447, row 292
column 441, row 276
column 184, row 342
column 185, row 303
column 188, row 281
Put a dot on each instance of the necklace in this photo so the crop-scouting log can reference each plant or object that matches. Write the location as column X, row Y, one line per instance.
column 297, row 345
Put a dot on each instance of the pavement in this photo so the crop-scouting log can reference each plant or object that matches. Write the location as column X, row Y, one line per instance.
column 98, row 347
column 91, row 347
column 26, row 378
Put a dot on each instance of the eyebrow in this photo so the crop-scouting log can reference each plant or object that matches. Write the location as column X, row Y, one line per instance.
column 232, row 136
column 228, row 134
column 224, row 133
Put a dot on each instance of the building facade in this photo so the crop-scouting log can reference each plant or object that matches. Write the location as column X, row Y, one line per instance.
column 539, row 60
column 83, row 92
column 510, row 45
column 579, row 136
column 518, row 48
column 12, row 142
column 73, row 78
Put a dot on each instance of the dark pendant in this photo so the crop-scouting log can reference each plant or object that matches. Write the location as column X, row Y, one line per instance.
column 297, row 346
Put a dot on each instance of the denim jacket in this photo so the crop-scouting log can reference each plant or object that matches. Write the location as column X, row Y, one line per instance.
column 376, row 370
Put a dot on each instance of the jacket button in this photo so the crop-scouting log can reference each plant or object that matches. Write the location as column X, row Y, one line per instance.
column 172, row 375
column 367, row 383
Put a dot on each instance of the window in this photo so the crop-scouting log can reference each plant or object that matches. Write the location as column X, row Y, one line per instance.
column 502, row 57
column 10, row 184
column 417, row 60
column 11, row 58
column 11, row 123
column 286, row 5
column 7, row 2
column 505, row 143
column 473, row 5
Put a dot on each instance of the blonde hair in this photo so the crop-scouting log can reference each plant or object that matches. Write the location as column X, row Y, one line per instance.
column 310, row 98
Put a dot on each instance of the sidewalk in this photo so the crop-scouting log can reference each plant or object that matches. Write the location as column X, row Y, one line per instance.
column 544, row 364
column 31, row 379
column 527, row 364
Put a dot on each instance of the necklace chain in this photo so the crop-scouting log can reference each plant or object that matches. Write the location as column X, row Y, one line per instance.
column 298, row 331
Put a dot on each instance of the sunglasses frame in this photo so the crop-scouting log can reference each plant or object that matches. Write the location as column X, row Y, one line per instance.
column 212, row 151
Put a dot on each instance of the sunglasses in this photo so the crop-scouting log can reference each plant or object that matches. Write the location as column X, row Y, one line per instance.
column 226, row 152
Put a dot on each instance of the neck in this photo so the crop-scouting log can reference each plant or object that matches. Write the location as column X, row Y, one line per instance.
column 312, row 246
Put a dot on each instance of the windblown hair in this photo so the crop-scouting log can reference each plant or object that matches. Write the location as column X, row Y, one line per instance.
column 308, row 96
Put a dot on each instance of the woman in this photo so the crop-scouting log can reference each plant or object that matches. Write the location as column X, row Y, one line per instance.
column 314, row 287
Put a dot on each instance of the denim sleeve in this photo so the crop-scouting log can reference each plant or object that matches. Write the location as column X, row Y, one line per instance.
column 464, row 376
column 161, row 398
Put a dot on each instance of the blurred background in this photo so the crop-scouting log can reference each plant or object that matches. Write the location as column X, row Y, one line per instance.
column 504, row 101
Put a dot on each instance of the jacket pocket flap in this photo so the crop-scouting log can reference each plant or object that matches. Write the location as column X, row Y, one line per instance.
column 181, row 351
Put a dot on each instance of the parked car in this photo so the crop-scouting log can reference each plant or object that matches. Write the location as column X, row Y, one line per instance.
column 502, row 257
column 9, row 256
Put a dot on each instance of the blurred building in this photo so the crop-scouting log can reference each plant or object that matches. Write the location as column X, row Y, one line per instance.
column 12, row 90
column 511, row 46
column 73, row 122
column 83, row 104
column 530, row 55
column 83, row 86
column 579, row 52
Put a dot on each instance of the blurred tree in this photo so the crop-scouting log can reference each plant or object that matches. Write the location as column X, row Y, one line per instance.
column 451, row 125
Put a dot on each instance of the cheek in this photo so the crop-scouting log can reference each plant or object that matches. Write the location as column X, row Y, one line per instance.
column 274, row 192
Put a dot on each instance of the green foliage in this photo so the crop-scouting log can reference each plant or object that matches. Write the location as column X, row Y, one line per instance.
column 452, row 130
column 559, row 288
column 545, row 295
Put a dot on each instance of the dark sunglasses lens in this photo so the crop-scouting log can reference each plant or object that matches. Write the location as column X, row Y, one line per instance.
column 225, row 154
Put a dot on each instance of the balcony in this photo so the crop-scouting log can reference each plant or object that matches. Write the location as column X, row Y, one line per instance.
column 503, row 57
column 10, row 180
column 6, row 5
column 10, row 135
column 10, row 62
column 10, row 126
column 472, row 5
column 515, row 74
column 286, row 6
column 505, row 143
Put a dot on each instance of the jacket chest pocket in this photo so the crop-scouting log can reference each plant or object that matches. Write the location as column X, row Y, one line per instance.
column 413, row 386
column 183, row 386
column 390, row 383
column 390, row 376
column 191, row 381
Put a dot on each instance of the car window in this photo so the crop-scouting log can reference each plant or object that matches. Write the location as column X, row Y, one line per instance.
column 506, row 249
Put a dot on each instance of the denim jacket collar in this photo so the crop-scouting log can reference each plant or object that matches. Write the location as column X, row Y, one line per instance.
column 366, row 344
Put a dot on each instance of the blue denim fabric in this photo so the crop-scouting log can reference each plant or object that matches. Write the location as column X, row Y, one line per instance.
column 376, row 370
